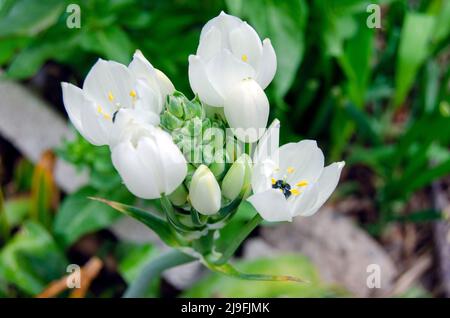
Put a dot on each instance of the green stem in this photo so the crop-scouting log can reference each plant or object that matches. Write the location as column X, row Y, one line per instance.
column 242, row 235
column 153, row 270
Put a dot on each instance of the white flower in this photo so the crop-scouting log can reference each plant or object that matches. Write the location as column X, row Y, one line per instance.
column 231, row 69
column 110, row 87
column 147, row 159
column 204, row 191
column 291, row 180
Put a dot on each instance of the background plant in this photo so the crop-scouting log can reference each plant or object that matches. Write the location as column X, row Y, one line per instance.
column 378, row 98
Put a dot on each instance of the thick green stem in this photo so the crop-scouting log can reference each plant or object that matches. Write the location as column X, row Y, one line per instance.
column 153, row 270
column 241, row 236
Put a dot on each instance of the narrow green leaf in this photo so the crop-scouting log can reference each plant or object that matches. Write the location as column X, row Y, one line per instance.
column 155, row 223
column 229, row 270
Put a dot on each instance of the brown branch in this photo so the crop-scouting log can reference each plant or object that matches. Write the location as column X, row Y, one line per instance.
column 88, row 273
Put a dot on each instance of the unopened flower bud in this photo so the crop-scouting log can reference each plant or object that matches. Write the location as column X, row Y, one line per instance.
column 175, row 104
column 169, row 121
column 204, row 191
column 234, row 181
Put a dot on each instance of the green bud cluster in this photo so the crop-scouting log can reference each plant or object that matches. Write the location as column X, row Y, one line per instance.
column 180, row 110
column 201, row 136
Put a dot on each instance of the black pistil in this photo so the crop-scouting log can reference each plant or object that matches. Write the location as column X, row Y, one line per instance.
column 284, row 186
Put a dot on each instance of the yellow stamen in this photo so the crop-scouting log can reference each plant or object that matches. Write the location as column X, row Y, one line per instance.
column 295, row 192
column 302, row 183
column 101, row 112
column 290, row 169
column 274, row 181
column 133, row 93
column 244, row 57
column 110, row 96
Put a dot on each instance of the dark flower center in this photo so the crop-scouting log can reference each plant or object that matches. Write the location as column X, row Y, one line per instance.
column 284, row 186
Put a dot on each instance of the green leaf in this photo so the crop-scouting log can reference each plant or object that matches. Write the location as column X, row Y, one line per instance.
column 414, row 49
column 31, row 259
column 78, row 215
column 112, row 43
column 132, row 260
column 56, row 44
column 155, row 223
column 218, row 285
column 229, row 270
column 29, row 17
column 134, row 257
column 16, row 210
column 355, row 61
column 284, row 23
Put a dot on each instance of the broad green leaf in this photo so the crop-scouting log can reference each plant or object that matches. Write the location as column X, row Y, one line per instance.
column 284, row 23
column 155, row 223
column 78, row 215
column 29, row 17
column 442, row 25
column 218, row 285
column 31, row 259
column 414, row 49
column 111, row 42
column 55, row 44
column 355, row 61
column 17, row 209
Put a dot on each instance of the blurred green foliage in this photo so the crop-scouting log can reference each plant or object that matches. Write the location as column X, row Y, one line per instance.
column 217, row 285
column 377, row 98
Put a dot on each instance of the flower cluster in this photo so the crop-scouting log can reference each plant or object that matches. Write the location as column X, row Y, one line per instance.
column 202, row 157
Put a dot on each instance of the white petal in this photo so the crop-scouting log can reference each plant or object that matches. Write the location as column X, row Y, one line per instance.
column 96, row 127
column 271, row 205
column 165, row 85
column 82, row 113
column 74, row 99
column 303, row 204
column 225, row 71
column 247, row 110
column 268, row 143
column 141, row 67
column 326, row 184
column 148, row 98
column 173, row 162
column 267, row 65
column 246, row 44
column 262, row 175
column 107, row 77
column 200, row 83
column 139, row 180
column 210, row 44
column 306, row 159
column 224, row 22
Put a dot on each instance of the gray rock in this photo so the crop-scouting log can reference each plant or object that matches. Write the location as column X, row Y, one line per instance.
column 33, row 127
column 339, row 249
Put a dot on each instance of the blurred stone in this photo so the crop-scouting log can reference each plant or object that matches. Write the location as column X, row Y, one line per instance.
column 340, row 250
column 30, row 124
